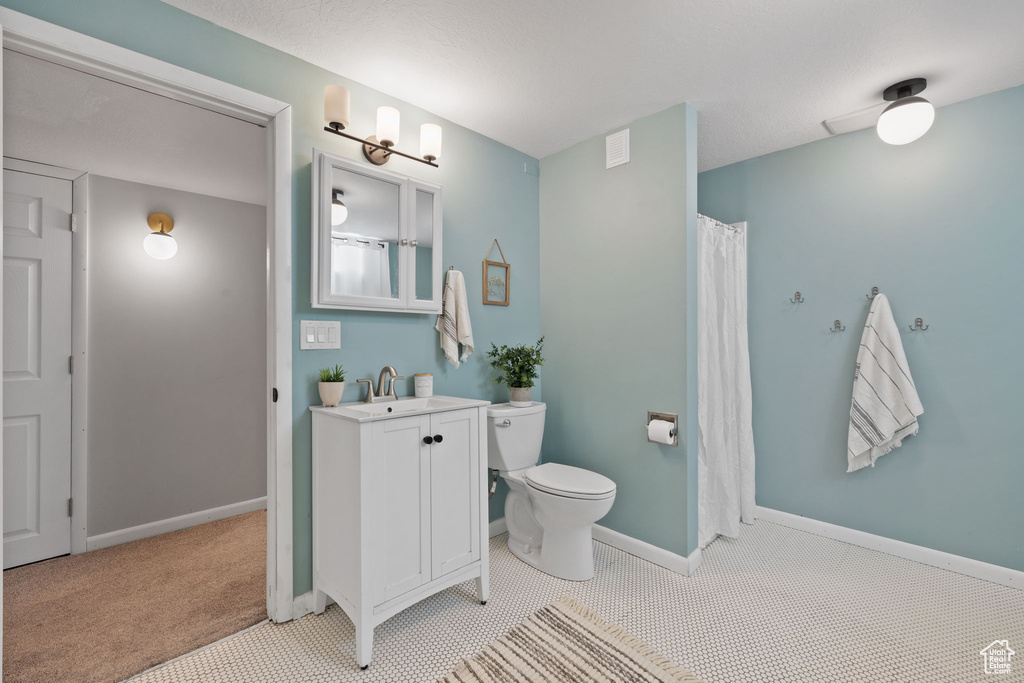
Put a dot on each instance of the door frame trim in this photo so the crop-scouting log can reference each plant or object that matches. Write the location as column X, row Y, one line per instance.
column 57, row 44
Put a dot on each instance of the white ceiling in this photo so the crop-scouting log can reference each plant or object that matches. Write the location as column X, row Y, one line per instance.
column 55, row 115
column 541, row 75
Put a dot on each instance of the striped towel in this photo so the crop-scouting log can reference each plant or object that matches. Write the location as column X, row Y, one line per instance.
column 453, row 323
column 885, row 402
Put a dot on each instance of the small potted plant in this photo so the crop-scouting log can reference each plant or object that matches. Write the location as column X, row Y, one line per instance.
column 332, row 385
column 518, row 367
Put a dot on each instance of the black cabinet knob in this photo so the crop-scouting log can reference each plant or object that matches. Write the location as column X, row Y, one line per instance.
column 438, row 438
column 428, row 440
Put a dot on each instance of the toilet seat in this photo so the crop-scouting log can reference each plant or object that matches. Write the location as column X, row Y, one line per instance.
column 569, row 482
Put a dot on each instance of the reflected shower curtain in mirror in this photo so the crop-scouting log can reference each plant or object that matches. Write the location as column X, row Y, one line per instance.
column 725, row 453
column 360, row 266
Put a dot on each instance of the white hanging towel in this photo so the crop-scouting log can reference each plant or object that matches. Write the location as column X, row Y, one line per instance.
column 453, row 323
column 885, row 402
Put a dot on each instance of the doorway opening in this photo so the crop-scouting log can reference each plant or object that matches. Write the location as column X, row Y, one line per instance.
column 162, row 387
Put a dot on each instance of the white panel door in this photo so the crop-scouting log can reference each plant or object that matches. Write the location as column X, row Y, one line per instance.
column 400, row 539
column 37, row 379
column 454, row 491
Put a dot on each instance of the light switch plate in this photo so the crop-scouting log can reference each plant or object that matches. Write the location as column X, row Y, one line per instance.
column 319, row 334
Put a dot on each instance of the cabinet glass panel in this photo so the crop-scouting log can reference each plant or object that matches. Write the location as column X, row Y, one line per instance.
column 364, row 235
column 423, row 233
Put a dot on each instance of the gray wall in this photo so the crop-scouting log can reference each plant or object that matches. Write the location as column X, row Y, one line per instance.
column 936, row 226
column 614, row 278
column 177, row 356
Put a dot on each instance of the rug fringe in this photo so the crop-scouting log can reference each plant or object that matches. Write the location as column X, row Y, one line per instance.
column 616, row 631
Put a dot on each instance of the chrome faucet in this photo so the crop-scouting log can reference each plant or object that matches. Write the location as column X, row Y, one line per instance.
column 385, row 388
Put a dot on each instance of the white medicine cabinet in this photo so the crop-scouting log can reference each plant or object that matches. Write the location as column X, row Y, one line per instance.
column 376, row 238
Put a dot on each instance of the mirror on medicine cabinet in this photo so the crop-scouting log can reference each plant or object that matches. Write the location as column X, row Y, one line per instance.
column 376, row 238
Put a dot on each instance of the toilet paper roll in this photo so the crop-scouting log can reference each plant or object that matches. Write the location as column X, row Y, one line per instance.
column 661, row 431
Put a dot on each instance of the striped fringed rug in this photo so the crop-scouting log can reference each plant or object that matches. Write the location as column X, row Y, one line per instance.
column 565, row 643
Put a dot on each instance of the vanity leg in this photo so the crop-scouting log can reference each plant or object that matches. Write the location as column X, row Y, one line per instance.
column 364, row 645
column 319, row 601
column 483, row 585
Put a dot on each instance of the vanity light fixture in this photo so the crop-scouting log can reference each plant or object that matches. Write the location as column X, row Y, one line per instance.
column 908, row 117
column 339, row 212
column 159, row 244
column 378, row 148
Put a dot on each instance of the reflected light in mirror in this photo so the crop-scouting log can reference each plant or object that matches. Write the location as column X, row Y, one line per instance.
column 339, row 212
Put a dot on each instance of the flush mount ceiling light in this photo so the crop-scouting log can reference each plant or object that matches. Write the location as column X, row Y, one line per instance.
column 159, row 244
column 378, row 148
column 339, row 212
column 908, row 117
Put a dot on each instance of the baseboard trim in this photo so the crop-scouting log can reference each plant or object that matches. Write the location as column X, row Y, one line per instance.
column 1003, row 576
column 302, row 605
column 497, row 527
column 164, row 526
column 680, row 564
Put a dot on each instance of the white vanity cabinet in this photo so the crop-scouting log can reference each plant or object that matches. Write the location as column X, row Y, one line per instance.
column 399, row 506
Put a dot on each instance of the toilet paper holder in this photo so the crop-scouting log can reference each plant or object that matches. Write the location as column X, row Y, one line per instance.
column 667, row 417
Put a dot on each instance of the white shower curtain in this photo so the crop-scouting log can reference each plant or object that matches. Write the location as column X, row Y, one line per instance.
column 725, row 454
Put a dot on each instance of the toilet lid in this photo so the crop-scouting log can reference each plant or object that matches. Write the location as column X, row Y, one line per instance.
column 573, row 482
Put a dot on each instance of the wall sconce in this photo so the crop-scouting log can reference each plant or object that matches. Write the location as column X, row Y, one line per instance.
column 159, row 244
column 339, row 212
column 908, row 117
column 378, row 148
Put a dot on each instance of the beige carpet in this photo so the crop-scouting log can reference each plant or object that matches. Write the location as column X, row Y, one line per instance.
column 567, row 643
column 108, row 614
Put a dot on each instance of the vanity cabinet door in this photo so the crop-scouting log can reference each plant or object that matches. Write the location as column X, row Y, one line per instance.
column 400, row 532
column 455, row 487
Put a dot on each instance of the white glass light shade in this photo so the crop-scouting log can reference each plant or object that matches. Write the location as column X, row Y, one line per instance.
column 339, row 212
column 905, row 120
column 337, row 105
column 430, row 141
column 160, row 245
column 387, row 125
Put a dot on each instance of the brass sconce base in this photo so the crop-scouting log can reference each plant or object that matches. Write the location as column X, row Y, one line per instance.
column 160, row 222
column 375, row 155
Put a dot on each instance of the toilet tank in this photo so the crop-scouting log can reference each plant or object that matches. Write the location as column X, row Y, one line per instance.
column 514, row 436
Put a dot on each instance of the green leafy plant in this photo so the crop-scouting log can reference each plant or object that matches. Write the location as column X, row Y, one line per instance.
column 517, row 364
column 335, row 374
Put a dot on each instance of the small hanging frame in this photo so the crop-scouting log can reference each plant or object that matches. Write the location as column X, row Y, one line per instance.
column 496, row 278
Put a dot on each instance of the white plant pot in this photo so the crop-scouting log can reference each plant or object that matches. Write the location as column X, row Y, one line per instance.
column 330, row 393
column 520, row 397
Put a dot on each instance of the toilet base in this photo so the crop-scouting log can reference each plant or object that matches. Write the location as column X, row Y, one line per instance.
column 552, row 537
column 568, row 555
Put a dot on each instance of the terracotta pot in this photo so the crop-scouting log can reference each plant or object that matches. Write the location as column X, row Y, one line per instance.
column 330, row 392
column 520, row 397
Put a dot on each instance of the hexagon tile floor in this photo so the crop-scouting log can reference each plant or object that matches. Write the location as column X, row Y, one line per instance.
column 775, row 605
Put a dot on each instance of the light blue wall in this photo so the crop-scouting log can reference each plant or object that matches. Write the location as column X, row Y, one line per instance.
column 490, row 190
column 936, row 225
column 613, row 250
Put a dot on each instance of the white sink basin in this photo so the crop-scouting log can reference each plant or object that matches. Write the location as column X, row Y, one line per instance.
column 359, row 411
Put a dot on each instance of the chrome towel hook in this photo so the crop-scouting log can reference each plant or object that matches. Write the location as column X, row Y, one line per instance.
column 873, row 294
column 918, row 325
column 797, row 299
column 837, row 327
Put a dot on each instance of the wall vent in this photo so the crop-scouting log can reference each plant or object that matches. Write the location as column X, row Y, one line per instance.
column 616, row 149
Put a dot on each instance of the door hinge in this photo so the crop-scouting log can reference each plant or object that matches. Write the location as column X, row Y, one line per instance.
column 74, row 223
column 71, row 506
column 274, row 395
column 71, row 365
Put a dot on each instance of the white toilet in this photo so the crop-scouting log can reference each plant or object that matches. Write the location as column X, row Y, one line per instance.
column 550, row 509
